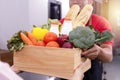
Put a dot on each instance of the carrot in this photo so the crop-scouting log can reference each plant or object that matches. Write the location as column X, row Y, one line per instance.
column 32, row 38
column 25, row 39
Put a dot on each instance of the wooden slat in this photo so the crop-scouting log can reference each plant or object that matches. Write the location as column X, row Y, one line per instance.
column 59, row 62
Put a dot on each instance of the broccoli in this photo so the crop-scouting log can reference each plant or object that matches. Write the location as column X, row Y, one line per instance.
column 86, row 37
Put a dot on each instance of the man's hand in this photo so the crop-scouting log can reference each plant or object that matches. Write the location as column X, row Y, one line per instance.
column 93, row 52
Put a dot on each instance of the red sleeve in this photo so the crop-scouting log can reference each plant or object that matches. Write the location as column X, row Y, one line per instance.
column 101, row 24
column 109, row 42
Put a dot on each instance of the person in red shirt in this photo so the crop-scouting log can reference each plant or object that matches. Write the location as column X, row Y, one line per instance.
column 97, row 54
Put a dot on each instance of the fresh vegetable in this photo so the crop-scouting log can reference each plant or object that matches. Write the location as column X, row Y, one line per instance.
column 36, row 32
column 39, row 33
column 62, row 39
column 45, row 26
column 85, row 37
column 40, row 43
column 67, row 45
column 104, row 37
column 82, row 37
column 52, row 44
column 25, row 39
column 32, row 38
column 43, row 33
column 50, row 36
column 15, row 43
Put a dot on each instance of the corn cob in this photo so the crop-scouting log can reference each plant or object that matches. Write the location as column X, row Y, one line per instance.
column 73, row 12
column 83, row 16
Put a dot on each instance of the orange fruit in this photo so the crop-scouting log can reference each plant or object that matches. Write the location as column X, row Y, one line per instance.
column 52, row 44
column 50, row 36
column 40, row 43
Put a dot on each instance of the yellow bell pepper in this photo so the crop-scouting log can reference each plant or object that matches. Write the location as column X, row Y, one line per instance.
column 39, row 33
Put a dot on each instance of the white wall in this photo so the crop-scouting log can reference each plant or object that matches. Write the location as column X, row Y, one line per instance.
column 13, row 17
column 65, row 7
column 18, row 15
column 38, row 12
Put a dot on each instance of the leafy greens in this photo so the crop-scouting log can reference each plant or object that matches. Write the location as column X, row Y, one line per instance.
column 86, row 37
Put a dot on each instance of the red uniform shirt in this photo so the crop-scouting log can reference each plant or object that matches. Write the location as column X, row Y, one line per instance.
column 100, row 24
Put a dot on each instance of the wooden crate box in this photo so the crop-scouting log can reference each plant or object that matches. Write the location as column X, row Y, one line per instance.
column 58, row 62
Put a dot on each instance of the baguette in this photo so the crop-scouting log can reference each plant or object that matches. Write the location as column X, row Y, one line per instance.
column 73, row 12
column 83, row 16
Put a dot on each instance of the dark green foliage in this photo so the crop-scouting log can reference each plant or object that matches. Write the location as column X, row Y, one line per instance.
column 86, row 37
column 82, row 37
column 15, row 43
column 105, row 36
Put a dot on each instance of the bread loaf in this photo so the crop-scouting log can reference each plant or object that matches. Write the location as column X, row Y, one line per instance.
column 73, row 12
column 83, row 16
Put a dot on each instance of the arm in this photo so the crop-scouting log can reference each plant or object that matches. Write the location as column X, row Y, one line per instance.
column 6, row 72
column 106, row 53
column 103, row 52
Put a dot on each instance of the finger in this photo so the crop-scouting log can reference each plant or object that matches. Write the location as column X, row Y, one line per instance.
column 92, row 50
column 92, row 56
